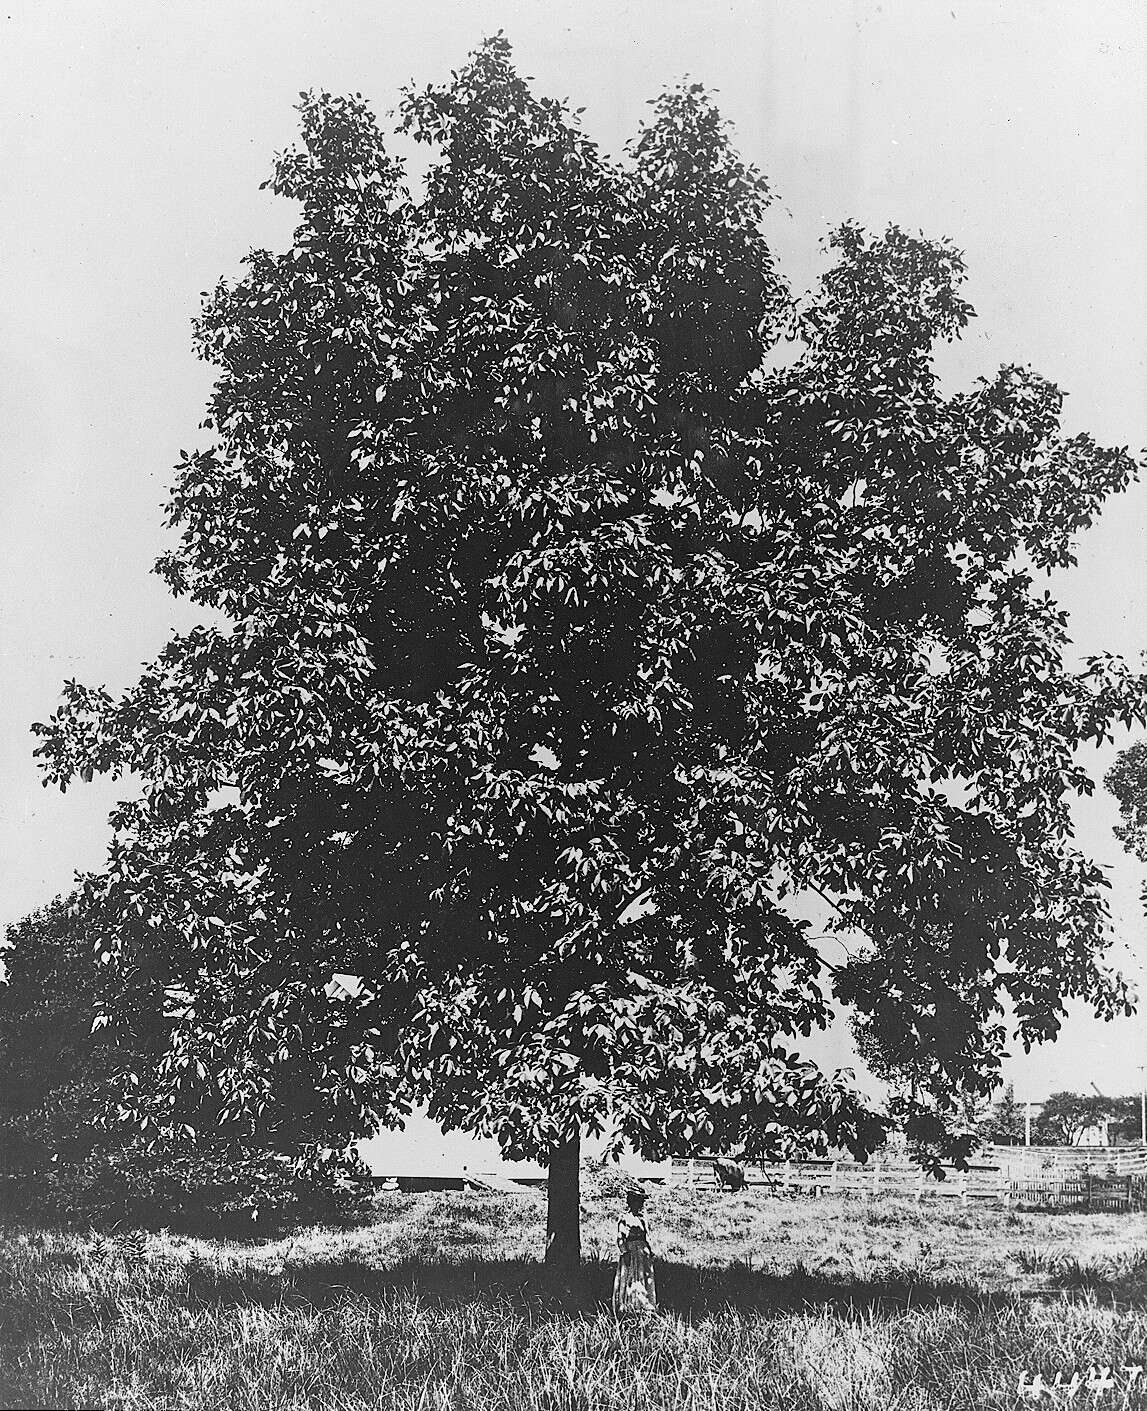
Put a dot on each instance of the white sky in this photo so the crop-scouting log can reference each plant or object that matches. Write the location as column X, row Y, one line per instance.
column 133, row 138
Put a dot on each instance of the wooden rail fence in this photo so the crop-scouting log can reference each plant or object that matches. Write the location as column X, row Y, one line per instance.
column 1078, row 1186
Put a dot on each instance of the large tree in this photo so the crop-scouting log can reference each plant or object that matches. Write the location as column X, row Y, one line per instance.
column 582, row 604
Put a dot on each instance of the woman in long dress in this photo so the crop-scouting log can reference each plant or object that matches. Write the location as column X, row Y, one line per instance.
column 633, row 1288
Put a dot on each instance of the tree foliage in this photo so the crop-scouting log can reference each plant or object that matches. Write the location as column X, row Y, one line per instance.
column 59, row 1161
column 1065, row 1116
column 1127, row 781
column 51, row 1065
column 1006, row 1123
column 585, row 600
column 1126, row 1118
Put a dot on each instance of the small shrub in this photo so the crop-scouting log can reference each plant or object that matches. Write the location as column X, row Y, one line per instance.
column 604, row 1180
column 1037, row 1261
column 877, row 1215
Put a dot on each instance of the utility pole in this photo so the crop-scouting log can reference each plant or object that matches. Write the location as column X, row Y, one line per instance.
column 1142, row 1108
column 1028, row 1122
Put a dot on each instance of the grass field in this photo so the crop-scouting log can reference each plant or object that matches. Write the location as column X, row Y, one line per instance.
column 439, row 1304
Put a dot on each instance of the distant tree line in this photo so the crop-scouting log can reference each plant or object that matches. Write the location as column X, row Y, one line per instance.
column 1059, row 1121
column 1063, row 1118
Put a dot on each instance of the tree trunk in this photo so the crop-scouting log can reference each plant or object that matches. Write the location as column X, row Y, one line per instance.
column 563, row 1208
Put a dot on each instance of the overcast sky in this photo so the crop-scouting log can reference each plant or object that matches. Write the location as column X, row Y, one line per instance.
column 134, row 137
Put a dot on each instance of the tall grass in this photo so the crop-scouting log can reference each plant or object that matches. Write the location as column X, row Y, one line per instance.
column 437, row 1306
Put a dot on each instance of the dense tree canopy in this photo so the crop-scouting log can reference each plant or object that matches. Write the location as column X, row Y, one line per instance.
column 59, row 1158
column 1066, row 1116
column 51, row 1065
column 584, row 600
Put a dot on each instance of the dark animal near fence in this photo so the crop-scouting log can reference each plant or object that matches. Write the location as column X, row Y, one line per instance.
column 729, row 1175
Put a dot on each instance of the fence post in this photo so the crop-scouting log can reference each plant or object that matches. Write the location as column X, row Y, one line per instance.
column 875, row 1177
column 919, row 1184
column 692, row 1173
column 788, row 1177
column 963, row 1187
column 834, row 1166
